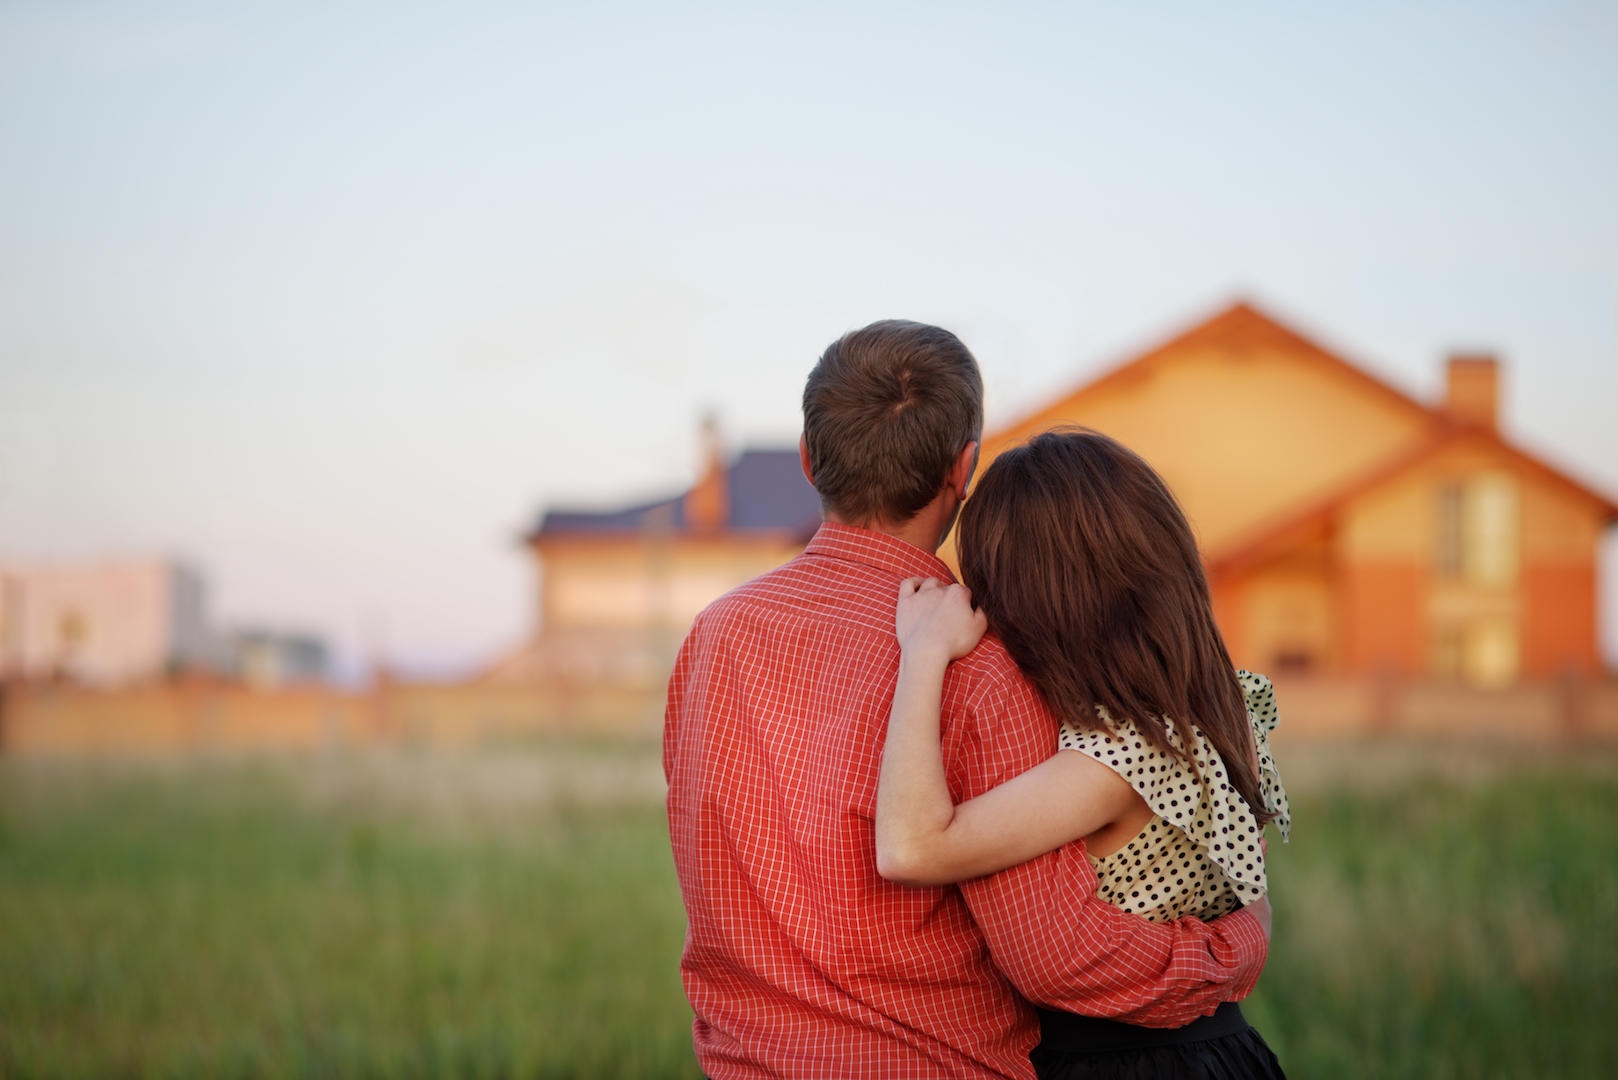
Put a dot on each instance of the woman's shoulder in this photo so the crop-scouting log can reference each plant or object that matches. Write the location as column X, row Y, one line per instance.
column 1253, row 680
column 1118, row 744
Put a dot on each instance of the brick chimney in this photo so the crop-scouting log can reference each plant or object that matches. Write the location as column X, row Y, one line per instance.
column 1472, row 389
column 707, row 505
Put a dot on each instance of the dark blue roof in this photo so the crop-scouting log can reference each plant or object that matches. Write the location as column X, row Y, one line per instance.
column 766, row 491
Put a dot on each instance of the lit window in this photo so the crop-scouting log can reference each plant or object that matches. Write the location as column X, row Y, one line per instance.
column 1477, row 530
column 1491, row 530
column 1451, row 508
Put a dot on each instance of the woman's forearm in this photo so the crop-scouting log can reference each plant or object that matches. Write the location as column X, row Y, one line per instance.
column 924, row 838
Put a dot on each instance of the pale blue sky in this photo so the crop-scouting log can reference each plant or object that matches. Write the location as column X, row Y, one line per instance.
column 333, row 299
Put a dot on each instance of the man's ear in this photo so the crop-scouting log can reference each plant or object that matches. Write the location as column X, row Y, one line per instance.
column 803, row 459
column 960, row 473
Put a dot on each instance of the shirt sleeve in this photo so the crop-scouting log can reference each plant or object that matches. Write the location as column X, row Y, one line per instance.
column 679, row 678
column 1059, row 945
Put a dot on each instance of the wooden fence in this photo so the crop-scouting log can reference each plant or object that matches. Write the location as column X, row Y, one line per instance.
column 206, row 716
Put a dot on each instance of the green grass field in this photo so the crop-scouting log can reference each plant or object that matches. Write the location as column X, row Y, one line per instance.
column 516, row 914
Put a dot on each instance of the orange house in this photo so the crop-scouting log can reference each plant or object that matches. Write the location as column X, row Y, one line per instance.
column 1346, row 527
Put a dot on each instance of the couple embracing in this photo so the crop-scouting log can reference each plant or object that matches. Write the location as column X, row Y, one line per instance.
column 912, row 848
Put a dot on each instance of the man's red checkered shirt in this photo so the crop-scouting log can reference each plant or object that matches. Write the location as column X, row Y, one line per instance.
column 800, row 960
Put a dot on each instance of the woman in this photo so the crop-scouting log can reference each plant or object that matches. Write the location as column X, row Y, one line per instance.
column 1086, row 569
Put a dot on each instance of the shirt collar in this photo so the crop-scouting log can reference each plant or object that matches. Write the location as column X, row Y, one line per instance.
column 876, row 549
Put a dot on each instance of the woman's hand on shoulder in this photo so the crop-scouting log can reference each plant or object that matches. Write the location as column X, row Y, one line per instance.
column 937, row 620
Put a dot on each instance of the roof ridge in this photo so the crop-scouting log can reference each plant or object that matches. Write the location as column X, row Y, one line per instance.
column 763, row 498
column 1238, row 316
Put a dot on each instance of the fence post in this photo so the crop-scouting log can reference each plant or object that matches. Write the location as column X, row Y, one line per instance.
column 1383, row 702
column 1570, row 705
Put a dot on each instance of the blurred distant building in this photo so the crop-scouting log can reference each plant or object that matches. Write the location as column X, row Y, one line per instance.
column 265, row 658
column 104, row 624
column 618, row 588
column 1348, row 528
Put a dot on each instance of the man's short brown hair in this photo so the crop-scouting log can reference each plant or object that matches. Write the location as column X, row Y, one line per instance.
column 885, row 413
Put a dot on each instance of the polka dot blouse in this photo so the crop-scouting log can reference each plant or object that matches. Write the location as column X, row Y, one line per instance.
column 1200, row 854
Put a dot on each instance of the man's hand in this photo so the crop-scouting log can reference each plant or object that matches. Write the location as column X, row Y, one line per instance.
column 936, row 620
column 1261, row 909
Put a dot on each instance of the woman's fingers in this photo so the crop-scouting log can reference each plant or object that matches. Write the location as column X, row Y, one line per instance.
column 912, row 585
column 933, row 614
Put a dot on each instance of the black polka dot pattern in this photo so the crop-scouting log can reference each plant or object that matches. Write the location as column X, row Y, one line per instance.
column 1260, row 693
column 1200, row 855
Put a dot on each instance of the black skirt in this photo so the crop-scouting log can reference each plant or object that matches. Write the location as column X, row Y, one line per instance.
column 1218, row 1047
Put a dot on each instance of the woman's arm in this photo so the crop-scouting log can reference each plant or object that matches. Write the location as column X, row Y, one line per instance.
column 922, row 838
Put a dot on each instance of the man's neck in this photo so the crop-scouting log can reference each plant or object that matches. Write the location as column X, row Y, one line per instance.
column 921, row 531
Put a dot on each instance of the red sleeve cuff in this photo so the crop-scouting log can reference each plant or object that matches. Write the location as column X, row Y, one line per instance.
column 1244, row 937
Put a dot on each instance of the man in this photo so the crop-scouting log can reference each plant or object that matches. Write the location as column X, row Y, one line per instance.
column 800, row 960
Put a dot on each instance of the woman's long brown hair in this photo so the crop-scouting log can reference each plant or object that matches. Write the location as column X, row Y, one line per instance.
column 1082, row 560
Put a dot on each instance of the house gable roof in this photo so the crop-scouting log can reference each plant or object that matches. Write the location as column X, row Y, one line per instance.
column 1236, row 326
column 766, row 493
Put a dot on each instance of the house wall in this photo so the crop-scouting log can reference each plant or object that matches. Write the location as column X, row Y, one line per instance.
column 1404, row 614
column 1230, row 615
column 1559, row 623
column 638, row 582
column 103, row 624
column 1289, row 616
column 1560, row 583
